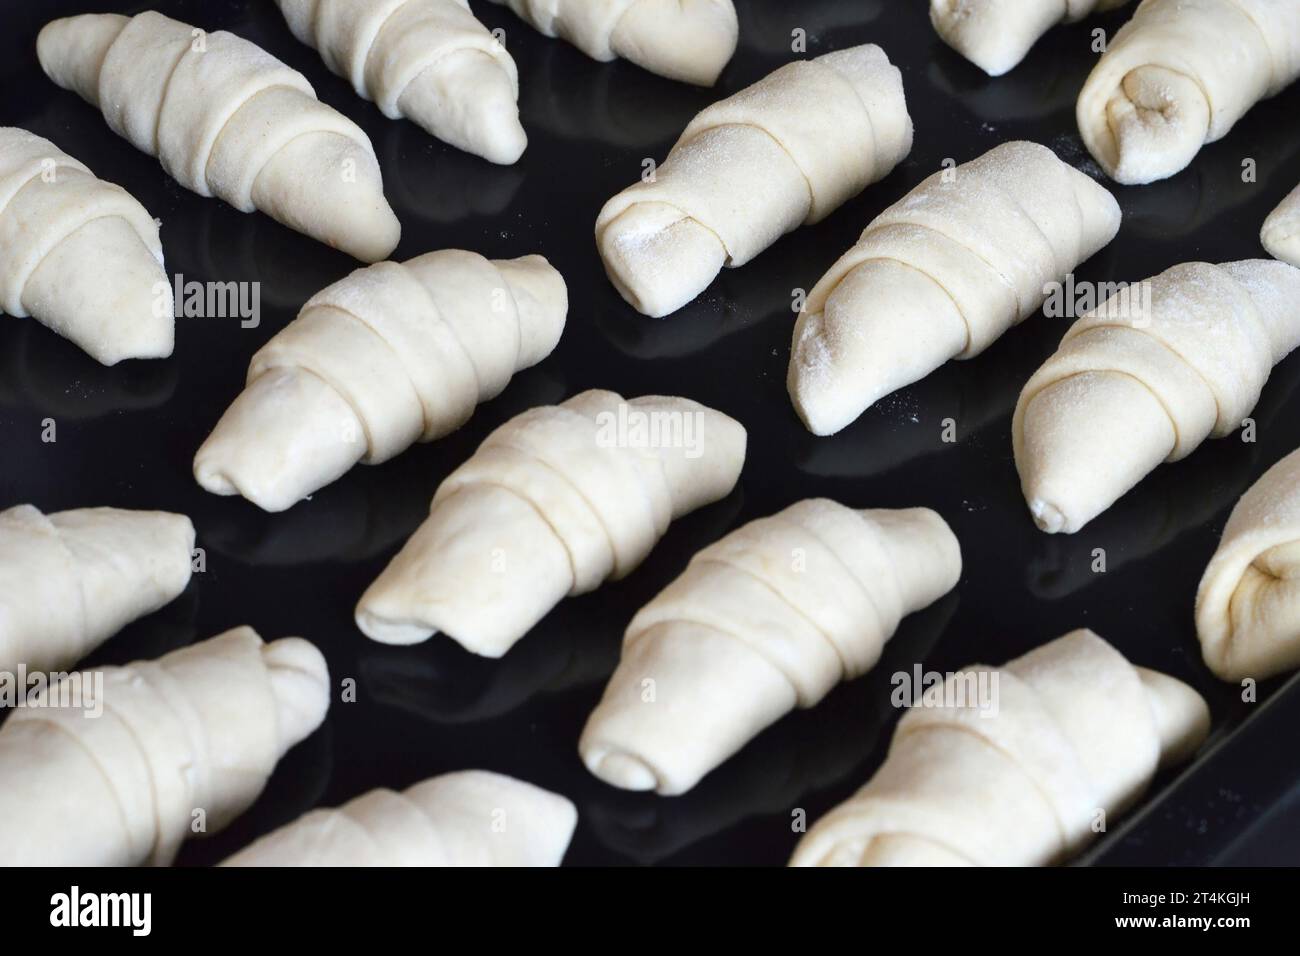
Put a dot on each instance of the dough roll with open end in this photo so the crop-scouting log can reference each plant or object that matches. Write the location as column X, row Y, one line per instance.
column 1179, row 75
column 227, row 119
column 71, row 580
column 393, row 354
column 183, row 744
column 1281, row 232
column 785, row 152
column 553, row 503
column 996, row 35
column 1146, row 378
column 941, row 275
column 470, row 818
column 79, row 254
column 770, row 618
column 1248, row 605
column 430, row 61
column 1015, row 766
column 687, row 40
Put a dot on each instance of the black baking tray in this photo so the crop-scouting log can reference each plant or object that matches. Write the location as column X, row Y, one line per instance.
column 126, row 437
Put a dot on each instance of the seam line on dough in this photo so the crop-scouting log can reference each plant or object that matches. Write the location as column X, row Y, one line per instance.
column 965, row 320
column 207, row 163
column 451, row 334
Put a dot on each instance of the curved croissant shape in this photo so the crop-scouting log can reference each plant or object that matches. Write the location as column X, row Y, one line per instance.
column 996, row 35
column 941, row 275
column 227, row 119
column 471, row 818
column 1054, row 742
column 188, row 739
column 79, row 254
column 1179, row 75
column 390, row 355
column 1147, row 377
column 1248, row 605
column 787, row 151
column 70, row 581
column 770, row 618
column 687, row 40
column 1281, row 232
column 430, row 61
column 553, row 503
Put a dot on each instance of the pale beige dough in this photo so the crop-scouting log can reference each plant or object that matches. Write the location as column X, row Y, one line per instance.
column 1281, row 232
column 996, row 35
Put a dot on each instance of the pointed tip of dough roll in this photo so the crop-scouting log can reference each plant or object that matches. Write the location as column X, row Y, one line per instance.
column 993, row 34
column 468, row 100
column 71, row 50
column 300, row 683
column 885, row 326
column 687, row 40
column 102, row 289
column 658, row 259
column 329, row 186
column 923, row 550
column 707, row 464
column 1182, row 717
column 542, row 298
column 1085, row 441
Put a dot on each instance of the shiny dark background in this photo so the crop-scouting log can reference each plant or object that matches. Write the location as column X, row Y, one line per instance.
column 127, row 435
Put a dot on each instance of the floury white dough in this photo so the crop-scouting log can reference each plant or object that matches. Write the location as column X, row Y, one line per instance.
column 770, row 618
column 785, row 152
column 1248, row 604
column 80, row 255
column 185, row 744
column 1180, row 75
column 687, row 40
column 227, row 119
column 554, row 502
column 1281, row 232
column 996, row 35
column 430, row 61
column 471, row 818
column 393, row 354
column 71, row 580
column 1131, row 387
column 941, row 275
column 1076, row 736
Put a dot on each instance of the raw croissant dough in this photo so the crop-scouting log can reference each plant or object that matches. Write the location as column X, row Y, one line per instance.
column 996, row 35
column 428, row 60
column 199, row 729
column 553, row 503
column 771, row 617
column 1077, row 732
column 941, row 274
column 471, row 818
column 687, row 40
column 1281, row 232
column 1127, row 390
column 1248, row 606
column 227, row 119
column 787, row 151
column 390, row 355
column 79, row 254
column 1179, row 75
column 70, row 581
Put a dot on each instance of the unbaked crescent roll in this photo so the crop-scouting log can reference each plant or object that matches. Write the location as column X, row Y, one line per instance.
column 1014, row 766
column 940, row 275
column 1145, row 378
column 80, row 254
column 787, row 151
column 1248, row 605
column 553, row 503
column 182, row 745
column 70, row 581
column 1179, row 75
column 1281, row 232
column 996, row 35
column 687, row 40
column 430, row 61
column 470, row 818
column 392, row 354
column 770, row 618
column 227, row 119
